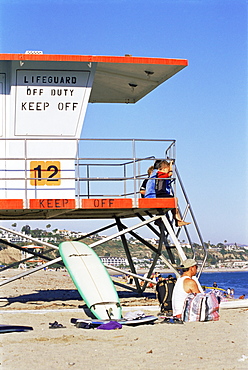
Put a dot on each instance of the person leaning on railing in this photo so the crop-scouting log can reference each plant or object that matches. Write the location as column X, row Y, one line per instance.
column 159, row 186
column 163, row 188
column 151, row 183
column 144, row 183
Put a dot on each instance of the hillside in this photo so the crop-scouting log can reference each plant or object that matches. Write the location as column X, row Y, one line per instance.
column 216, row 254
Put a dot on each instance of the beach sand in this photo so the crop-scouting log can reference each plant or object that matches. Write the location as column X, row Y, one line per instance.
column 44, row 297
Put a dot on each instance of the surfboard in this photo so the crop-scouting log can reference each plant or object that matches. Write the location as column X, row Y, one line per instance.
column 91, row 279
column 239, row 303
column 143, row 320
column 14, row 328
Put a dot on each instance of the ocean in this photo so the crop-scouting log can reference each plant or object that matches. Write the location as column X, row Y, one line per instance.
column 237, row 280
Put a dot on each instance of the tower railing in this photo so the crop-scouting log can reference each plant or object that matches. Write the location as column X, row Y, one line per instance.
column 88, row 173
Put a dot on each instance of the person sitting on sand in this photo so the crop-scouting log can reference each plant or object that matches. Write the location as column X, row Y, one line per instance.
column 186, row 284
column 242, row 296
column 153, row 278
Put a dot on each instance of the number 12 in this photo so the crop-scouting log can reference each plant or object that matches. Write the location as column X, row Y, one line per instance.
column 45, row 173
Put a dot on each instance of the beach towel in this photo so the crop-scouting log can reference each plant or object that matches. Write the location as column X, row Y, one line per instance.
column 134, row 315
column 201, row 307
column 111, row 325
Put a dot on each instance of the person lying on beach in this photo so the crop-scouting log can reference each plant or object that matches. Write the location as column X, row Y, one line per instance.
column 186, row 284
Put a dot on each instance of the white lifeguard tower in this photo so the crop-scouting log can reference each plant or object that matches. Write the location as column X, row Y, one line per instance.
column 48, row 172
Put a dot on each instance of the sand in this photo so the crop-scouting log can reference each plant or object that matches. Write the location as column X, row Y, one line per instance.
column 44, row 297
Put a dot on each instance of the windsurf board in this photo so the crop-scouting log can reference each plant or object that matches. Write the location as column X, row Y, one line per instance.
column 14, row 328
column 141, row 321
column 239, row 303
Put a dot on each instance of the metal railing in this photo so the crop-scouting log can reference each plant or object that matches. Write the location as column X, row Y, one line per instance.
column 86, row 174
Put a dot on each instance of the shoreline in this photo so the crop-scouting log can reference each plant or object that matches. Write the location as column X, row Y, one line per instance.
column 167, row 271
column 225, row 270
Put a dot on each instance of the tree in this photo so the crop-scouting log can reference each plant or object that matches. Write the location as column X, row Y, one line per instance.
column 48, row 226
column 14, row 225
column 222, row 252
column 26, row 229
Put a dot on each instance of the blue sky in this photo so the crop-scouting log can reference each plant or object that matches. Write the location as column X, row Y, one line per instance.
column 204, row 107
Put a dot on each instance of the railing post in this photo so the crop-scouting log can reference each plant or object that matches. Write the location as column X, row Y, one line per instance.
column 25, row 169
column 125, row 181
column 88, row 182
column 77, row 184
column 134, row 173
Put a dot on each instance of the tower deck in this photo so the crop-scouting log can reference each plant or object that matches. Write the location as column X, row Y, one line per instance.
column 98, row 208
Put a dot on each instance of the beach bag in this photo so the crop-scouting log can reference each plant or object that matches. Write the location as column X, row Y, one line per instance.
column 164, row 289
column 201, row 307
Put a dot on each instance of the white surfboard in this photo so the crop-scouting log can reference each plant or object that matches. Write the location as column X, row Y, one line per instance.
column 239, row 303
column 91, row 279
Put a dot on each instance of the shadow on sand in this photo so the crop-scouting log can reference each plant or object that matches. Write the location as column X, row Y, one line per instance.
column 46, row 296
column 39, row 297
column 64, row 295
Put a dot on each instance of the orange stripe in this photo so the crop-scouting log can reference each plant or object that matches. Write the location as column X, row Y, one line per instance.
column 11, row 204
column 52, row 203
column 35, row 261
column 94, row 58
column 157, row 203
column 106, row 203
column 89, row 203
column 33, row 247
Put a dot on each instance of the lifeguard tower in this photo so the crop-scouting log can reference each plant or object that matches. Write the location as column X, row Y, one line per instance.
column 48, row 172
